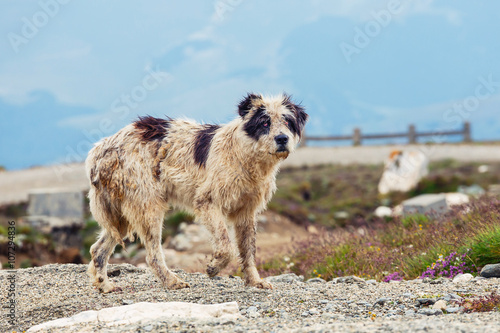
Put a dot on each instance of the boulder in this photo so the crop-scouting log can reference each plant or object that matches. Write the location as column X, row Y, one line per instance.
column 433, row 204
column 461, row 278
column 490, row 271
column 135, row 313
column 55, row 208
column 403, row 170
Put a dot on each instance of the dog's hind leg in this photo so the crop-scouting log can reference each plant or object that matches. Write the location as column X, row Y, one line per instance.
column 246, row 229
column 100, row 253
column 155, row 257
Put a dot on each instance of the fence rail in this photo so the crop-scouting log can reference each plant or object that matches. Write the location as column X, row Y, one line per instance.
column 357, row 137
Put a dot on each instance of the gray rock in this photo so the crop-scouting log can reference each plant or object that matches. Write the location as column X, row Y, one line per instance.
column 127, row 302
column 490, row 271
column 285, row 278
column 426, row 301
column 408, row 295
column 253, row 314
column 181, row 242
column 440, row 280
column 473, row 190
column 313, row 311
column 372, row 281
column 462, row 278
column 56, row 207
column 382, row 301
column 409, row 313
column 451, row 297
column 305, row 314
column 365, row 304
column 430, row 312
column 148, row 328
column 316, row 280
column 434, row 204
column 252, row 309
column 350, row 279
column 451, row 309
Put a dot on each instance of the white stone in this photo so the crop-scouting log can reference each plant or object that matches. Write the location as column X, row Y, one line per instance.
column 403, row 170
column 441, row 305
column 483, row 168
column 383, row 211
column 455, row 199
column 461, row 278
column 130, row 314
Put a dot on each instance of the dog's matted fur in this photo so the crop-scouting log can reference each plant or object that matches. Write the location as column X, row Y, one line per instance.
column 223, row 174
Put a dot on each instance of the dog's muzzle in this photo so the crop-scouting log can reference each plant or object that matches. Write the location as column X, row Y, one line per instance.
column 282, row 143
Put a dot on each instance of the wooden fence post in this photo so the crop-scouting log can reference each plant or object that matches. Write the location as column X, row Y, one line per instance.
column 356, row 138
column 467, row 136
column 412, row 135
column 303, row 141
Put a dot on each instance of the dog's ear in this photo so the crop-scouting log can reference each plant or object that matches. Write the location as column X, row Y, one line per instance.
column 246, row 104
column 300, row 115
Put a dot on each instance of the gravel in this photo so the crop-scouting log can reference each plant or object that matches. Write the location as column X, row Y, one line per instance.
column 348, row 305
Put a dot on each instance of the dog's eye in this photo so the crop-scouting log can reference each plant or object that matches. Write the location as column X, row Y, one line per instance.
column 266, row 124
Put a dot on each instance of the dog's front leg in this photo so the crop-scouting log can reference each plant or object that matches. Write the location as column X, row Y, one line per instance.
column 246, row 230
column 215, row 222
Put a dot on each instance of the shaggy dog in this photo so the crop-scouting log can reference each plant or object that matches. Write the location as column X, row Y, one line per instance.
column 222, row 174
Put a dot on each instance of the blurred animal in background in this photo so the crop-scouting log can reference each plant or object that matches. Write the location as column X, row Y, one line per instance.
column 403, row 170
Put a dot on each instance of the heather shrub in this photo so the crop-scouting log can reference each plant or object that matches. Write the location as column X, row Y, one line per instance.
column 449, row 266
column 412, row 247
column 481, row 304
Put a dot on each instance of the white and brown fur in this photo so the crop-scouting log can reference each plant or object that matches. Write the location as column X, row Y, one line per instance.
column 222, row 174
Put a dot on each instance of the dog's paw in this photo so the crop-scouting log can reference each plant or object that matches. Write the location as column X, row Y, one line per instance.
column 262, row 284
column 179, row 284
column 108, row 288
column 212, row 271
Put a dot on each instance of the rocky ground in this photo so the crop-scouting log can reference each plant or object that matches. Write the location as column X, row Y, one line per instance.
column 343, row 305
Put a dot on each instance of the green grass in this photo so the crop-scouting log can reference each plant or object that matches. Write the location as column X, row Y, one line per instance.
column 485, row 247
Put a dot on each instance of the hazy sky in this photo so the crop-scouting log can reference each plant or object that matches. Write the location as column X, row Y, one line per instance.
column 72, row 72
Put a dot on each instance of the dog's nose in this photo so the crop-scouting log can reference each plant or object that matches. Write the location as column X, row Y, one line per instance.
column 281, row 139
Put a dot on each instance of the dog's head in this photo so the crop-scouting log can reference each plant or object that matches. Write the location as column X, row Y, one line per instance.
column 274, row 124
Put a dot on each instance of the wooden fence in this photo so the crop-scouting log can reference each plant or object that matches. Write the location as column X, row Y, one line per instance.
column 357, row 138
